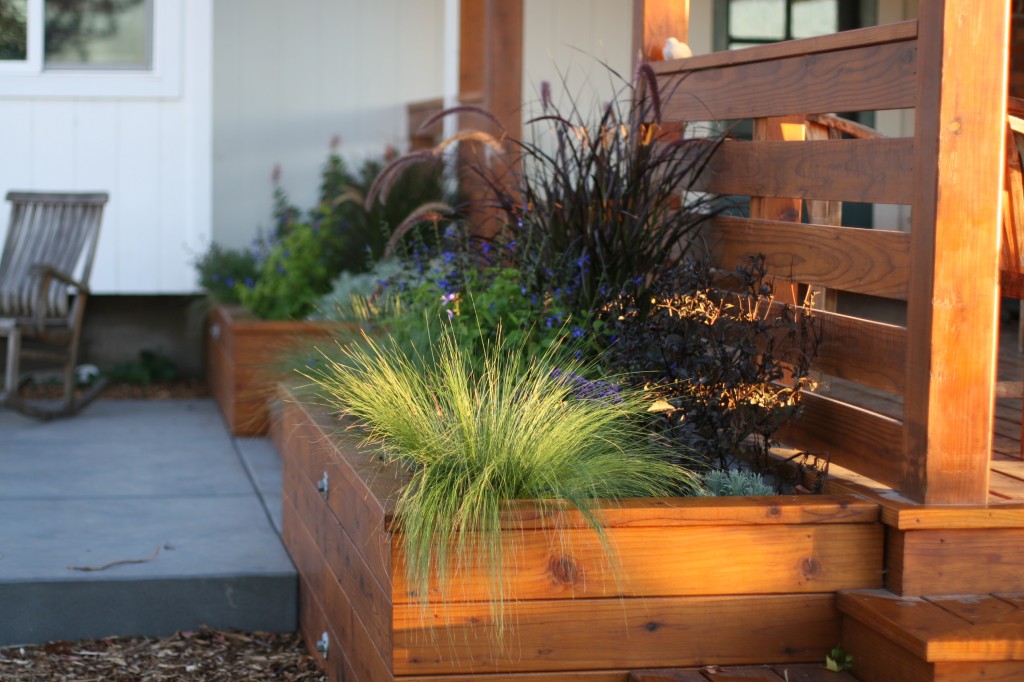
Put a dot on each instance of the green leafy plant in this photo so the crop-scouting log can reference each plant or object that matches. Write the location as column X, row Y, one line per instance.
column 734, row 482
column 150, row 368
column 287, row 270
column 838, row 661
column 291, row 278
column 474, row 441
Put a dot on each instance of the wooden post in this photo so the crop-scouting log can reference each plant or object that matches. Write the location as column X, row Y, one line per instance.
column 656, row 20
column 490, row 75
column 778, row 129
column 952, row 317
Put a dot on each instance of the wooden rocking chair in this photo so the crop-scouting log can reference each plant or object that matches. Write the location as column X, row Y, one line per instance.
column 44, row 275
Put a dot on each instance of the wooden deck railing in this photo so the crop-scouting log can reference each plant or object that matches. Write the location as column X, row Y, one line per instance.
column 949, row 66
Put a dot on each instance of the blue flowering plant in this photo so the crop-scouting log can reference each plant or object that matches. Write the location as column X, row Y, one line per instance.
column 473, row 288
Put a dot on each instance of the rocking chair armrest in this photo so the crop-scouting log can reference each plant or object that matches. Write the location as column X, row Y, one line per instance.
column 45, row 274
column 48, row 272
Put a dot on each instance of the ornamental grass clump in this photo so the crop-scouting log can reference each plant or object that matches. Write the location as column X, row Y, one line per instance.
column 473, row 441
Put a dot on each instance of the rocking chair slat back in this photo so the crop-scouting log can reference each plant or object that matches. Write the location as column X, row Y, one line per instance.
column 59, row 231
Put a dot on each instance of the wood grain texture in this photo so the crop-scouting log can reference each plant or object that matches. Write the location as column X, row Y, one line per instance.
column 247, row 357
column 871, row 171
column 589, row 634
column 503, row 62
column 855, row 438
column 313, row 624
column 874, row 262
column 560, row 676
column 369, row 597
column 862, row 37
column 352, row 498
column 953, row 298
column 879, row 659
column 961, row 561
column 680, row 561
column 869, row 78
column 870, row 353
column 938, row 633
column 349, row 632
column 656, row 20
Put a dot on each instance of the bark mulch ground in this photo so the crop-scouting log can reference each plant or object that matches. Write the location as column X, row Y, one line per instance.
column 205, row 656
column 173, row 390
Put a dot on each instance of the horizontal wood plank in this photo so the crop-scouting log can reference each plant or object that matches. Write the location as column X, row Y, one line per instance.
column 961, row 561
column 369, row 594
column 350, row 635
column 877, row 657
column 854, row 438
column 668, row 561
column 584, row 634
column 844, row 40
column 560, row 676
column 352, row 498
column 875, row 262
column 864, row 351
column 877, row 171
column 868, row 78
column 938, row 633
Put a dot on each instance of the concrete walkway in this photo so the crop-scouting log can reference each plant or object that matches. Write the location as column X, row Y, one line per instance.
column 160, row 484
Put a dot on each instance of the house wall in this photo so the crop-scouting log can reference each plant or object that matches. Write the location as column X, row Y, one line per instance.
column 144, row 138
column 289, row 76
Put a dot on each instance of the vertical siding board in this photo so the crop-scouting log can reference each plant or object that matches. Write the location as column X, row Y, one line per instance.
column 95, row 168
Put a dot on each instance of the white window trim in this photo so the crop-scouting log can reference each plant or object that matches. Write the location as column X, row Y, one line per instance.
column 29, row 78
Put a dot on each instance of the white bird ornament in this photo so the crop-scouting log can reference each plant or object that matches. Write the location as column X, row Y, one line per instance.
column 675, row 49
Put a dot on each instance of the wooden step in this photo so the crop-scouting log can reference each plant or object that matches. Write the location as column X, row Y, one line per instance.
column 927, row 639
column 808, row 672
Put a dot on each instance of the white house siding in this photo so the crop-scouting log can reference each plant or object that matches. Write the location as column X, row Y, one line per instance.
column 288, row 76
column 570, row 39
column 150, row 151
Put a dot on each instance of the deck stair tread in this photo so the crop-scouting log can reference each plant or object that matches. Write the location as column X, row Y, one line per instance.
column 986, row 627
column 809, row 672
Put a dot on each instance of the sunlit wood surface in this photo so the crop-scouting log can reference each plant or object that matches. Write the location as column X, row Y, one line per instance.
column 1006, row 483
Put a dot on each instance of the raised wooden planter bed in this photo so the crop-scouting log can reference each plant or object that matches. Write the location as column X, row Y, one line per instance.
column 703, row 581
column 244, row 359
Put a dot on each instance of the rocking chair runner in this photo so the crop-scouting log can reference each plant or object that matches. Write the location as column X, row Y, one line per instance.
column 50, row 238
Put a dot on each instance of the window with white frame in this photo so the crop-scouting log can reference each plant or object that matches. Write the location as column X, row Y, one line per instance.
column 118, row 48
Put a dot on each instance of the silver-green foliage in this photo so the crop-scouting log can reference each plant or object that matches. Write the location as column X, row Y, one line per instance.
column 734, row 482
column 475, row 440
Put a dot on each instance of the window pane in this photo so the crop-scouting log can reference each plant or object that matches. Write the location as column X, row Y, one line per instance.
column 13, row 29
column 814, row 17
column 105, row 33
column 757, row 19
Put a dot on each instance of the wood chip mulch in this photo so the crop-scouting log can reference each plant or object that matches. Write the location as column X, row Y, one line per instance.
column 174, row 390
column 205, row 656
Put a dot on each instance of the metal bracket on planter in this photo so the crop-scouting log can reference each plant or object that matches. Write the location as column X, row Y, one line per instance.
column 323, row 486
column 323, row 644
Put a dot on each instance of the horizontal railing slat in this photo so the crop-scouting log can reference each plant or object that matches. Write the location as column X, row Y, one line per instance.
column 861, row 37
column 874, row 262
column 854, row 438
column 879, row 171
column 857, row 79
column 871, row 353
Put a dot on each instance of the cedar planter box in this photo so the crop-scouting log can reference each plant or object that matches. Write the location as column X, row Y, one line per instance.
column 702, row 581
column 244, row 359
